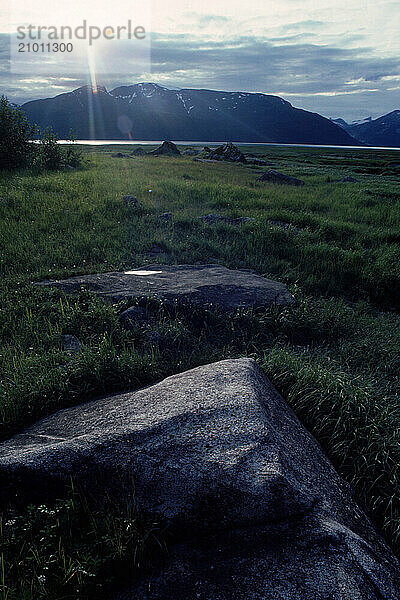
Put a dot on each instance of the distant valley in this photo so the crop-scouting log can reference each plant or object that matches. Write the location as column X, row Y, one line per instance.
column 384, row 131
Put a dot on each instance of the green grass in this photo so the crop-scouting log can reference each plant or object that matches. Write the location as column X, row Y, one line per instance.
column 335, row 357
column 70, row 550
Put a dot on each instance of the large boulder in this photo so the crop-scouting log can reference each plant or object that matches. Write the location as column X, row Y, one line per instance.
column 228, row 152
column 280, row 178
column 166, row 149
column 204, row 285
column 255, row 508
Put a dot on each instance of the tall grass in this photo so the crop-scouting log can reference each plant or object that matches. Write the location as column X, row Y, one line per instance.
column 335, row 357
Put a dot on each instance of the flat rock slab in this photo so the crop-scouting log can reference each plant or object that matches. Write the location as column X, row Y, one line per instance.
column 280, row 178
column 256, row 509
column 205, row 285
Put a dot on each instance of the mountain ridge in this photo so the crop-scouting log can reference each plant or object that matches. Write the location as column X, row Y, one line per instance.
column 148, row 111
column 383, row 131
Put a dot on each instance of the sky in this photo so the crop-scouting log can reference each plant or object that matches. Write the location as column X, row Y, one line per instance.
column 340, row 58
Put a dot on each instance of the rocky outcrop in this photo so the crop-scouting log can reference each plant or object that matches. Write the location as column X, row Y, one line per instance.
column 229, row 152
column 256, row 510
column 276, row 177
column 166, row 149
column 204, row 285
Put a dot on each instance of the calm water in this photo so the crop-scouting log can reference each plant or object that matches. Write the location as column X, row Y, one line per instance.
column 157, row 142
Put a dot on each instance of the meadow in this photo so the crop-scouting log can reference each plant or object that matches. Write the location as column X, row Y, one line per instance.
column 335, row 357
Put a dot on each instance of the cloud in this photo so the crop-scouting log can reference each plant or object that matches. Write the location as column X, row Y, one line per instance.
column 324, row 78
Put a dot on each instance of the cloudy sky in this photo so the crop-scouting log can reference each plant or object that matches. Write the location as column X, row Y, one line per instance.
column 335, row 57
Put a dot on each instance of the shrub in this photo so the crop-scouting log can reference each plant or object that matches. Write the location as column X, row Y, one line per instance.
column 50, row 156
column 18, row 151
column 15, row 135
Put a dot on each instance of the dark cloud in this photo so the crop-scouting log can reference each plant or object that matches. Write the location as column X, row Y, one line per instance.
column 308, row 75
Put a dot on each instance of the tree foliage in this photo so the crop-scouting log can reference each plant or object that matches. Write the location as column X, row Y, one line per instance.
column 18, row 150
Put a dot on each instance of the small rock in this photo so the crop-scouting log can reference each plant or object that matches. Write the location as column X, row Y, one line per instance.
column 191, row 151
column 133, row 317
column 138, row 152
column 212, row 219
column 348, row 179
column 130, row 200
column 283, row 225
column 166, row 149
column 206, row 160
column 279, row 178
column 259, row 162
column 70, row 343
column 166, row 216
column 157, row 250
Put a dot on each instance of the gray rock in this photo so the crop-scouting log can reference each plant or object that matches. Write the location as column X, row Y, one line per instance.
column 135, row 316
column 348, row 179
column 70, row 343
column 166, row 149
column 283, row 225
column 191, row 151
column 256, row 510
column 158, row 251
column 276, row 177
column 206, row 160
column 258, row 162
column 167, row 216
column 120, row 155
column 130, row 200
column 204, row 285
column 138, row 152
column 229, row 152
column 213, row 219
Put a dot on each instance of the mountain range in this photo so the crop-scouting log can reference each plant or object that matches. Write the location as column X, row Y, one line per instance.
column 384, row 131
column 147, row 111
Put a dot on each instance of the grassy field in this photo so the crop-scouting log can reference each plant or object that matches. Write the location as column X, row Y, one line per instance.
column 335, row 357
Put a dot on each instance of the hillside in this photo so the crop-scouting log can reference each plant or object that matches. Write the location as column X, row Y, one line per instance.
column 384, row 131
column 147, row 111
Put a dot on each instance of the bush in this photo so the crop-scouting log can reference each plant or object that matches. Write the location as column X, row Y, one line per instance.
column 49, row 155
column 15, row 135
column 18, row 151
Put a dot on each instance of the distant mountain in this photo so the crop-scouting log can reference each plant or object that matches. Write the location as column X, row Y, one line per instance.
column 342, row 123
column 147, row 111
column 384, row 131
